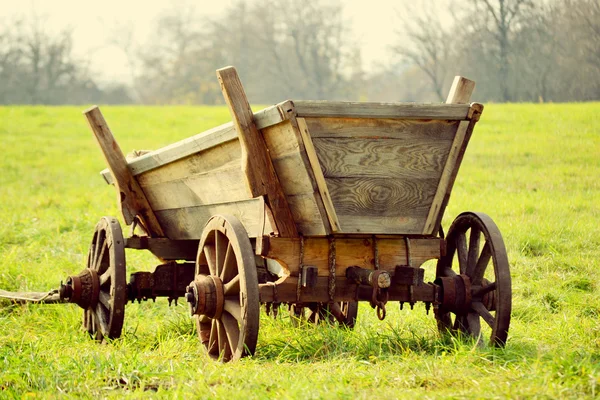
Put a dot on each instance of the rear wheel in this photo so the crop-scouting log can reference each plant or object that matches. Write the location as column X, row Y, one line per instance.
column 475, row 279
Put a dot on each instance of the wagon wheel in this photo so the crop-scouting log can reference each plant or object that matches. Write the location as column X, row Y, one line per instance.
column 477, row 292
column 224, row 295
column 103, row 318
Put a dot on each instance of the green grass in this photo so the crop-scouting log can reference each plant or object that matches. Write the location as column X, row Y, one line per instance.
column 534, row 168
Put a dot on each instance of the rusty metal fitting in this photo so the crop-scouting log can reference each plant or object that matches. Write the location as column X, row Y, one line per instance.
column 206, row 296
column 455, row 293
column 82, row 289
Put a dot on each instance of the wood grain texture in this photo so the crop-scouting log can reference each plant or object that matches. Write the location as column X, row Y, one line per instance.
column 394, row 205
column 351, row 252
column 460, row 91
column 188, row 223
column 383, row 128
column 381, row 110
column 319, row 178
column 218, row 186
column 288, row 153
column 225, row 155
column 131, row 198
column 388, row 158
column 256, row 162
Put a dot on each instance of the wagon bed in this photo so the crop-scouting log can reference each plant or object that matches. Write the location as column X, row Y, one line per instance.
column 345, row 168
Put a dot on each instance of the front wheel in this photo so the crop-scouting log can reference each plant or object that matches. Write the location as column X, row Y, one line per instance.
column 224, row 294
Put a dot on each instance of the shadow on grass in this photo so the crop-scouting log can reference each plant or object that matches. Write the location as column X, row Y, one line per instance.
column 327, row 342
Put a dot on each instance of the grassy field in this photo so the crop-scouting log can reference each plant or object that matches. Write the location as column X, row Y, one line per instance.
column 534, row 168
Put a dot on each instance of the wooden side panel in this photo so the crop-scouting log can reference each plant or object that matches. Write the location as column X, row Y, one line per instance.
column 188, row 223
column 351, row 252
column 286, row 151
column 382, row 175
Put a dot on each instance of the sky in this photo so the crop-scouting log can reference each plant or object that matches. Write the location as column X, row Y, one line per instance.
column 373, row 24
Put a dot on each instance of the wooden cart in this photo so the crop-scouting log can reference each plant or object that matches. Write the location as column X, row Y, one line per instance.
column 313, row 204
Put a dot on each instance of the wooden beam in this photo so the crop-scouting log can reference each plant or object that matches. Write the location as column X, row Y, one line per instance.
column 446, row 112
column 460, row 92
column 318, row 175
column 131, row 198
column 256, row 162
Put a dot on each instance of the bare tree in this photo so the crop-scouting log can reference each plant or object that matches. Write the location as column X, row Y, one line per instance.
column 422, row 40
column 502, row 17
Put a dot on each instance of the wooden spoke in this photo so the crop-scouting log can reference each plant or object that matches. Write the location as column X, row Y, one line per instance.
column 100, row 262
column 232, row 287
column 105, row 300
column 209, row 253
column 233, row 307
column 105, row 277
column 224, row 349
column 101, row 318
column 480, row 309
column 213, row 345
column 473, row 249
column 483, row 290
column 231, row 329
column 221, row 245
column 229, row 265
column 461, row 247
column 473, row 323
column 481, row 265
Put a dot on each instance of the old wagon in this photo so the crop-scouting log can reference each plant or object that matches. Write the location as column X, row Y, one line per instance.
column 316, row 205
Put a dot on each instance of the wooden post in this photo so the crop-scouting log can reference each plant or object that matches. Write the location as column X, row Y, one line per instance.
column 132, row 200
column 460, row 93
column 256, row 162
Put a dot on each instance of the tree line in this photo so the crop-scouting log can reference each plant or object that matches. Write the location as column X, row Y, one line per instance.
column 516, row 50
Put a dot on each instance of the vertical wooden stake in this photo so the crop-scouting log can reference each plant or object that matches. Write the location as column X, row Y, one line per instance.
column 460, row 93
column 132, row 199
column 256, row 162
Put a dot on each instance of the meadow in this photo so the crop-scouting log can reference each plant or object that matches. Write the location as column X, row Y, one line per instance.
column 534, row 168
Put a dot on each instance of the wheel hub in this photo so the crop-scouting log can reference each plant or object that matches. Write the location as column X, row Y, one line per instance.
column 82, row 289
column 206, row 296
column 456, row 293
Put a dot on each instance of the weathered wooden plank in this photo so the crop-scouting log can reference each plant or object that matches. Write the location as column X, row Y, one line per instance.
column 307, row 215
column 386, row 158
column 380, row 196
column 188, row 223
column 351, row 252
column 224, row 155
column 401, row 129
column 318, row 175
column 256, row 163
column 131, row 197
column 218, row 186
column 288, row 153
column 381, row 110
column 460, row 92
column 197, row 143
column 165, row 249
